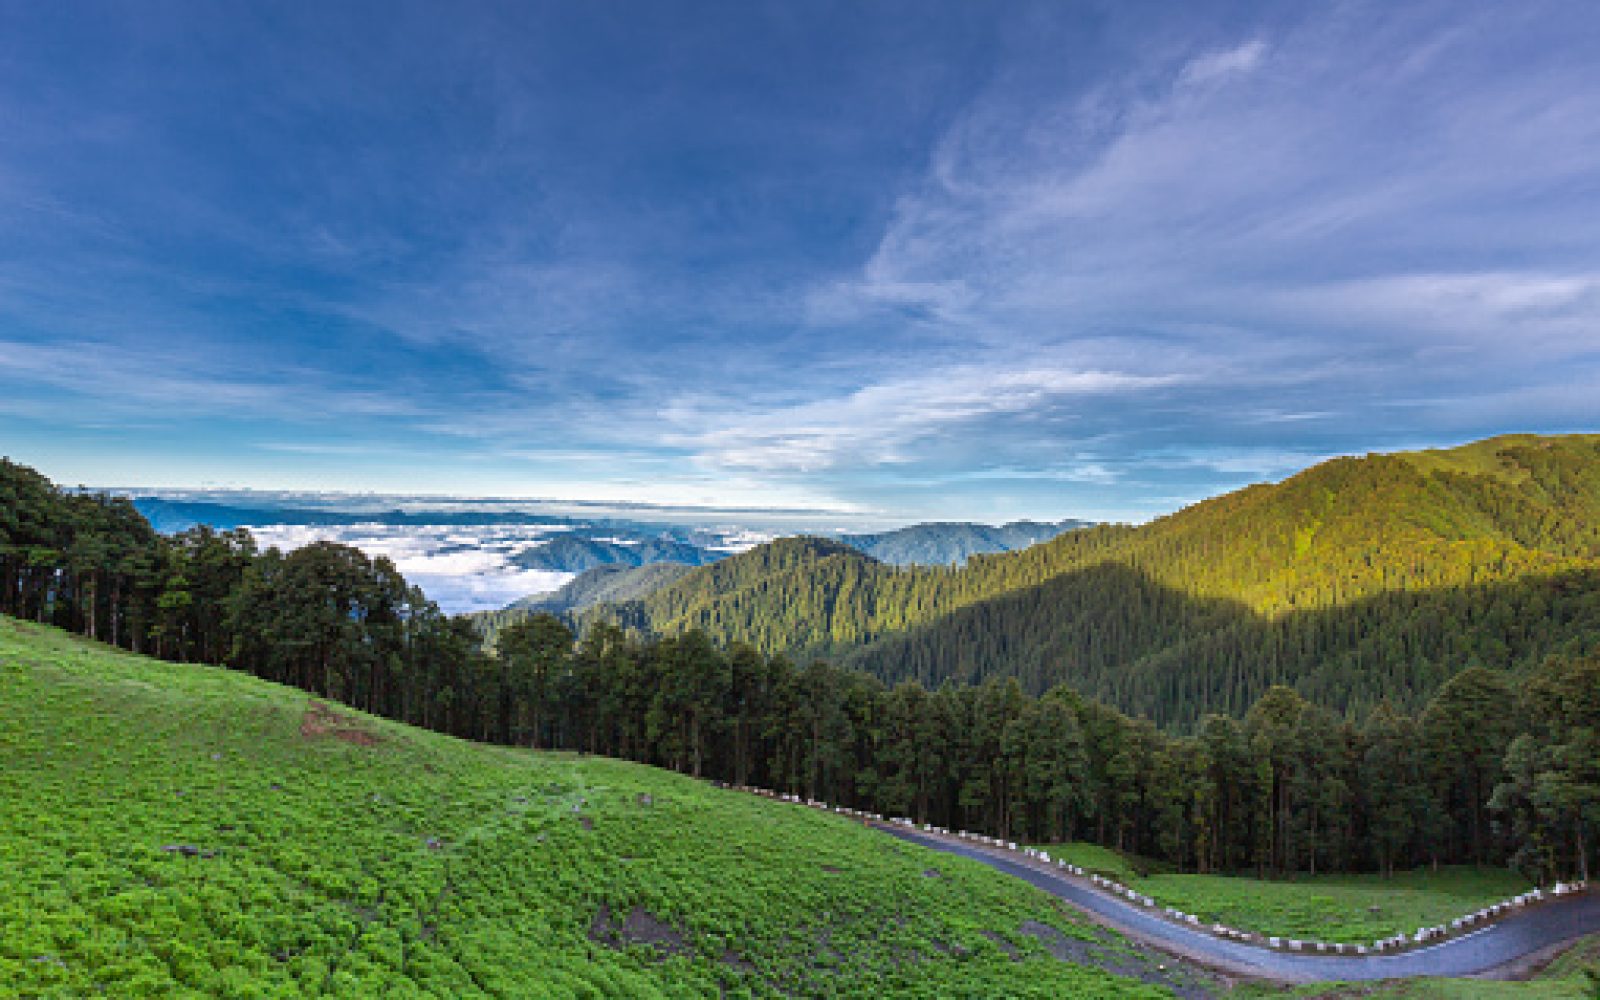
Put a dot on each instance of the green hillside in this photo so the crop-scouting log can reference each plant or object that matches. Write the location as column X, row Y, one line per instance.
column 1151, row 651
column 1350, row 908
column 182, row 830
column 1345, row 563
column 791, row 594
column 573, row 553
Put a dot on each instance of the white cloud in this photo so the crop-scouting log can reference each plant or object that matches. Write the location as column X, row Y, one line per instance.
column 462, row 569
column 1215, row 66
column 878, row 423
column 1537, row 311
column 1341, row 196
column 1259, row 239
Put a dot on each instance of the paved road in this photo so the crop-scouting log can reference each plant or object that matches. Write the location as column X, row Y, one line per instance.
column 1477, row 953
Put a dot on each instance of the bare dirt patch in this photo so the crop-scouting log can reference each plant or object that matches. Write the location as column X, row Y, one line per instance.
column 734, row 960
column 1138, row 963
column 639, row 927
column 1010, row 949
column 320, row 720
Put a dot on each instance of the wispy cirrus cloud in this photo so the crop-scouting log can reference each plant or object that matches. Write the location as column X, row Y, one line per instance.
column 1314, row 221
column 1212, row 67
column 160, row 385
column 885, row 422
column 1550, row 312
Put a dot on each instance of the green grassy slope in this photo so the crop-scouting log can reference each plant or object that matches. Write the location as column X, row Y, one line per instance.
column 1353, row 908
column 1347, row 533
column 189, row 831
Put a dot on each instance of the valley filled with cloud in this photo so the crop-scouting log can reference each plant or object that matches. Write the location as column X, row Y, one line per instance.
column 461, row 567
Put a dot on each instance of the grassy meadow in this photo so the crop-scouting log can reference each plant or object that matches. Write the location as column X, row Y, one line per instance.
column 190, row 831
column 1354, row 909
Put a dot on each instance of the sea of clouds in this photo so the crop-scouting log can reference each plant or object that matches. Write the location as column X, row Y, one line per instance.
column 462, row 568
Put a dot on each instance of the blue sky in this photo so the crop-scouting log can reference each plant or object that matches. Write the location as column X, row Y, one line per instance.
column 936, row 260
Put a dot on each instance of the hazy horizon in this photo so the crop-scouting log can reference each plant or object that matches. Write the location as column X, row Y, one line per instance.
column 462, row 551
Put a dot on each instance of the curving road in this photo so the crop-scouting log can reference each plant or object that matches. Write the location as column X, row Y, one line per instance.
column 1482, row 952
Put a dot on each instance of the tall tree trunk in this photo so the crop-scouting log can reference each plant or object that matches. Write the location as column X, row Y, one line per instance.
column 89, row 603
column 694, row 741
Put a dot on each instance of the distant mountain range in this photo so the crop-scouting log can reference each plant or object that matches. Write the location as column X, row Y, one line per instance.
column 170, row 516
column 932, row 544
column 571, row 545
column 578, row 552
column 953, row 543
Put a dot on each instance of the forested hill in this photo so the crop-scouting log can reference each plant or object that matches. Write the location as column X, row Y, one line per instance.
column 778, row 596
column 621, row 584
column 574, row 553
column 1345, row 563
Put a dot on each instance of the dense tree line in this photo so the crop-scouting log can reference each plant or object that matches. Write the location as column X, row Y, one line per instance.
column 1117, row 636
column 325, row 618
column 1482, row 774
column 1485, row 771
